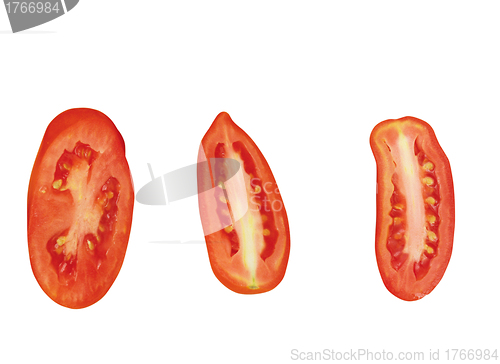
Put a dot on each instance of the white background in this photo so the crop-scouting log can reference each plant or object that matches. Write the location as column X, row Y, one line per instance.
column 307, row 81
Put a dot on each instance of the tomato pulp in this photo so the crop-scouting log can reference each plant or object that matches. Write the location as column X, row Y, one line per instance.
column 415, row 207
column 250, row 253
column 80, row 204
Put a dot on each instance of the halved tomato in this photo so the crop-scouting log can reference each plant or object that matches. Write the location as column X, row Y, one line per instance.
column 80, row 203
column 242, row 212
column 415, row 207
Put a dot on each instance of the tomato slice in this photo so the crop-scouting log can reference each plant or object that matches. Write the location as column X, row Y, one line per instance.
column 80, row 203
column 250, row 254
column 415, row 207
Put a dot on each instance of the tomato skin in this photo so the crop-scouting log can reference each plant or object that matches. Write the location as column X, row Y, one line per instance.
column 244, row 266
column 406, row 272
column 77, row 134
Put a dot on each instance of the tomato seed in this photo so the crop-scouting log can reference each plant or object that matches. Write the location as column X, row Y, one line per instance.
column 431, row 235
column 428, row 166
column 397, row 221
column 428, row 181
column 57, row 184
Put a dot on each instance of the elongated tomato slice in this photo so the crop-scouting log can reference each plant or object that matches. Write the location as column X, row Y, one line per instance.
column 415, row 207
column 243, row 217
column 80, row 203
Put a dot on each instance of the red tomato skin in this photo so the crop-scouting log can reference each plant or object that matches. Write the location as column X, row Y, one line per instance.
column 95, row 128
column 399, row 283
column 224, row 130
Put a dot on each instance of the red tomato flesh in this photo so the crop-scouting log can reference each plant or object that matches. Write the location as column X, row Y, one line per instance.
column 415, row 207
column 250, row 254
column 80, row 203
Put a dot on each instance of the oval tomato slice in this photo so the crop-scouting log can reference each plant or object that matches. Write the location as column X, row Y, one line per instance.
column 80, row 203
column 250, row 254
column 415, row 207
